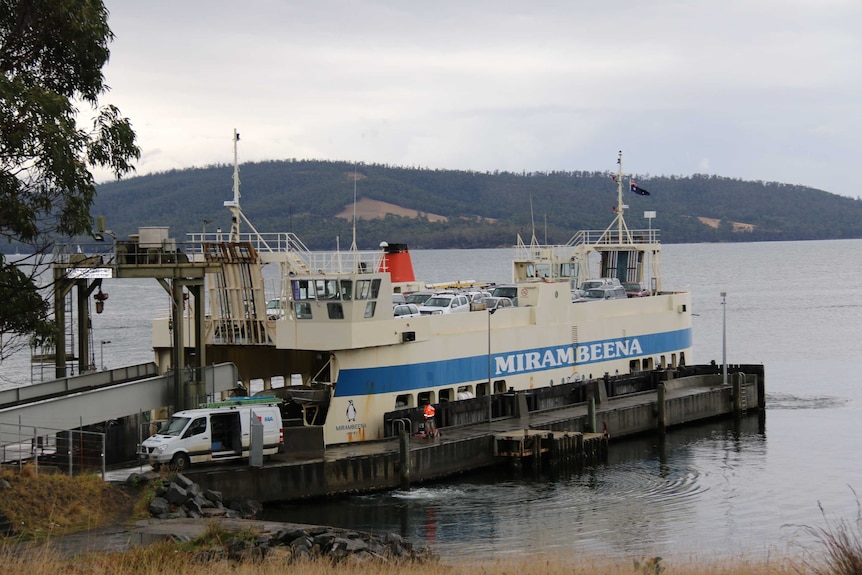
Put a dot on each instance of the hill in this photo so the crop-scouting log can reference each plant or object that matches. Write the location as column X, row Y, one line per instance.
column 447, row 208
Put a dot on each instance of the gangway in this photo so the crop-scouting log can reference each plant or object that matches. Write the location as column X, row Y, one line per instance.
column 96, row 397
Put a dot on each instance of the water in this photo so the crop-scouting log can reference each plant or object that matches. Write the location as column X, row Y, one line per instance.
column 711, row 490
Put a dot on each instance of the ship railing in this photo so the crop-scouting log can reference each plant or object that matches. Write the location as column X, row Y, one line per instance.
column 613, row 237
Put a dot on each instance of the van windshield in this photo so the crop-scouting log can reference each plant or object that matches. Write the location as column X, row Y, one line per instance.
column 174, row 426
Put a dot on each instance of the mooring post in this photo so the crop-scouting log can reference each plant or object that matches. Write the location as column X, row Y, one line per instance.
column 591, row 414
column 661, row 405
column 404, row 459
column 738, row 378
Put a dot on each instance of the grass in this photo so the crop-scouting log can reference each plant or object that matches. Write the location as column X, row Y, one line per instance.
column 42, row 505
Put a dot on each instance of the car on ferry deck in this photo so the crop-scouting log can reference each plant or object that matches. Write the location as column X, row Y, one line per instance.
column 445, row 303
column 509, row 291
column 634, row 289
column 497, row 302
column 605, row 292
column 405, row 310
column 418, row 297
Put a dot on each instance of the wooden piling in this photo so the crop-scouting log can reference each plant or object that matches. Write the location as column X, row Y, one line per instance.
column 404, row 459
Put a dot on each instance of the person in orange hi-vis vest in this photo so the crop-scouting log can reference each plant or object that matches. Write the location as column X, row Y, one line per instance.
column 430, row 425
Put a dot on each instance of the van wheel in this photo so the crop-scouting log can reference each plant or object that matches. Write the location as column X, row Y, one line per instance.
column 180, row 462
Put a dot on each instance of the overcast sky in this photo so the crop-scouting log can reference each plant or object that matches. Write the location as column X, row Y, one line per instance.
column 755, row 89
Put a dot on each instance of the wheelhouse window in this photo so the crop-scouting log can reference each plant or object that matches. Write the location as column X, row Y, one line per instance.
column 302, row 289
column 346, row 290
column 363, row 289
column 302, row 309
column 370, row 307
column 335, row 310
column 327, row 289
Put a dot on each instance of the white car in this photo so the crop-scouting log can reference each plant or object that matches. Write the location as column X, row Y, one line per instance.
column 445, row 303
column 405, row 310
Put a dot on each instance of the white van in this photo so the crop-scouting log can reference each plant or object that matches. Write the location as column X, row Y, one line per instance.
column 215, row 432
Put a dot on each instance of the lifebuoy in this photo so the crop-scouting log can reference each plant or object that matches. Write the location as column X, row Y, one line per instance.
column 523, row 292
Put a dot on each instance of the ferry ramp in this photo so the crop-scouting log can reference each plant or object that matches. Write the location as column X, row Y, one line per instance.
column 95, row 397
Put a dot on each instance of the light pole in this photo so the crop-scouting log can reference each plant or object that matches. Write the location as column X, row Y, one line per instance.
column 204, row 235
column 649, row 215
column 724, row 338
column 102, row 352
column 489, row 390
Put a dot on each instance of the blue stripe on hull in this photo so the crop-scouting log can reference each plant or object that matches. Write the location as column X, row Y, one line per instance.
column 457, row 371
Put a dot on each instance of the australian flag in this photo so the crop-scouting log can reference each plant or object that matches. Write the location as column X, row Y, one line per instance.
column 638, row 190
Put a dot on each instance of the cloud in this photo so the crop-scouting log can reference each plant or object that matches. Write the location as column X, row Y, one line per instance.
column 756, row 86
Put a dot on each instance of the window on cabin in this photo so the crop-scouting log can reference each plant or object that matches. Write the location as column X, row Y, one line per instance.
column 445, row 395
column 363, row 289
column 346, row 290
column 335, row 310
column 326, row 289
column 404, row 401
column 302, row 290
column 369, row 308
column 375, row 288
column 302, row 309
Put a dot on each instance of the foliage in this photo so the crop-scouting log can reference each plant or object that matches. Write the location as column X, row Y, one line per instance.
column 482, row 209
column 51, row 57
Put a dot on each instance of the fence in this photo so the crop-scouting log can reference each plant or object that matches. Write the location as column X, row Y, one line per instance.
column 70, row 450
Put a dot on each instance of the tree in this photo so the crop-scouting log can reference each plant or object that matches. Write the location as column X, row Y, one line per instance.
column 51, row 57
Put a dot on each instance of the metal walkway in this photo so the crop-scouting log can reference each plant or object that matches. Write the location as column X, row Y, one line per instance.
column 91, row 398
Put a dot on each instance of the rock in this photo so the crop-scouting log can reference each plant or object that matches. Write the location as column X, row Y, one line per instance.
column 214, row 496
column 176, row 495
column 159, row 506
column 247, row 508
column 287, row 536
column 183, row 481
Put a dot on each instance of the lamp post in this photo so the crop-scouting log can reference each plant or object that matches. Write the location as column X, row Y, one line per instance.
column 489, row 390
column 724, row 338
column 204, row 235
column 102, row 352
column 649, row 215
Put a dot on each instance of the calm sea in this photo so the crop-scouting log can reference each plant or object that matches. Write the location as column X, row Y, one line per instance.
column 713, row 490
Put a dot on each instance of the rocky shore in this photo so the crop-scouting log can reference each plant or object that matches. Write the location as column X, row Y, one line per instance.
column 182, row 511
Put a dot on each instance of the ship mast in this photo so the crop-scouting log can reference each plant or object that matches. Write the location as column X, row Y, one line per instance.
column 234, row 205
column 622, row 235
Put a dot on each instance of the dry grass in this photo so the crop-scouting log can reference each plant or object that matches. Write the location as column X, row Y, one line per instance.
column 43, row 504
column 167, row 558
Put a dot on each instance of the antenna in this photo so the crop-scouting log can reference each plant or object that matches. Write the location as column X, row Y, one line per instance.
column 532, row 222
column 234, row 208
column 355, row 177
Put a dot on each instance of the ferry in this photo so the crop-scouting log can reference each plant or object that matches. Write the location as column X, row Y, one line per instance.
column 348, row 363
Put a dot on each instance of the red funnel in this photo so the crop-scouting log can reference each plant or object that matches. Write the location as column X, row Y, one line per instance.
column 396, row 260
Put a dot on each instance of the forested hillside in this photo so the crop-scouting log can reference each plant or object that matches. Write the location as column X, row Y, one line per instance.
column 479, row 209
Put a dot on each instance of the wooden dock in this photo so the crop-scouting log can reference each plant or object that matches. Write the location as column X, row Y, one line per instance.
column 546, row 448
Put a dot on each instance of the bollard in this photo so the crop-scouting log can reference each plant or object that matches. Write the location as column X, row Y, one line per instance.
column 404, row 459
column 591, row 414
column 661, row 405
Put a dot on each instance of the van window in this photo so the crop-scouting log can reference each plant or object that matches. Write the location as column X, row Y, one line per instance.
column 198, row 426
column 174, row 426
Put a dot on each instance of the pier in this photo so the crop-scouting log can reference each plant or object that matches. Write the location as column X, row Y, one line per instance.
column 685, row 396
